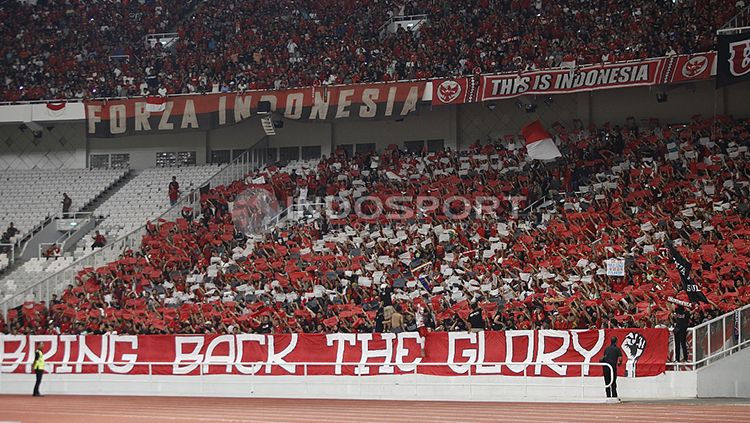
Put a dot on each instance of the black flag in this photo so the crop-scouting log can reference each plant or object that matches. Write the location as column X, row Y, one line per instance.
column 694, row 292
column 733, row 59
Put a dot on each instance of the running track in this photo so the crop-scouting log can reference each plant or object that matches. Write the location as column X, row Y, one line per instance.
column 100, row 409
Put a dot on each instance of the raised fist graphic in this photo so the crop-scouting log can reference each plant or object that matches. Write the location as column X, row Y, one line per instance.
column 634, row 344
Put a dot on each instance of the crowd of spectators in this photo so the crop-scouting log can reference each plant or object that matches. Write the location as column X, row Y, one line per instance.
column 79, row 49
column 617, row 192
column 76, row 49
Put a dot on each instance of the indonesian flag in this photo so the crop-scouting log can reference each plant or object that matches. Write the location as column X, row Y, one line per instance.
column 56, row 108
column 156, row 104
column 539, row 143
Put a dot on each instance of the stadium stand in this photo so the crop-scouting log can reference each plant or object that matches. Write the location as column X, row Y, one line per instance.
column 530, row 264
column 143, row 198
column 33, row 270
column 30, row 196
column 243, row 45
column 4, row 261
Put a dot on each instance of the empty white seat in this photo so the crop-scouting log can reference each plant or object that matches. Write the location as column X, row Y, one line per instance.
column 32, row 195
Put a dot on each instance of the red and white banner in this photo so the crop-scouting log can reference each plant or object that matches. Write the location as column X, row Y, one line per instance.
column 661, row 70
column 395, row 100
column 203, row 112
column 559, row 81
column 455, row 90
column 691, row 67
column 644, row 353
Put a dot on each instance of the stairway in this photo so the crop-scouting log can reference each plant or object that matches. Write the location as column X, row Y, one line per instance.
column 109, row 192
column 268, row 126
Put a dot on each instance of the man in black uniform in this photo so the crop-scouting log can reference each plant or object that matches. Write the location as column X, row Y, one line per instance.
column 613, row 357
column 681, row 323
column 66, row 203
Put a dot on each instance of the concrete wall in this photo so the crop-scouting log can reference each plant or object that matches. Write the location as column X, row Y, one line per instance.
column 479, row 122
column 428, row 124
column 728, row 377
column 293, row 134
column 403, row 387
column 143, row 148
column 60, row 146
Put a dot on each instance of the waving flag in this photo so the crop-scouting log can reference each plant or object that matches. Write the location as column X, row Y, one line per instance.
column 692, row 289
column 539, row 143
column 156, row 104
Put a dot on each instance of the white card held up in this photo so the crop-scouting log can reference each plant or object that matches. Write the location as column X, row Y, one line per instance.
column 364, row 281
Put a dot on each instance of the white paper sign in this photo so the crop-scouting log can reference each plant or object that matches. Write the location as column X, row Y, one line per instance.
column 616, row 267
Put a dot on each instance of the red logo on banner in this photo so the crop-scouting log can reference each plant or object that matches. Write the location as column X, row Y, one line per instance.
column 739, row 57
column 449, row 91
column 694, row 67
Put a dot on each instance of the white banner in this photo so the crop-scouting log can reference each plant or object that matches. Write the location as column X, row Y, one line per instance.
column 615, row 267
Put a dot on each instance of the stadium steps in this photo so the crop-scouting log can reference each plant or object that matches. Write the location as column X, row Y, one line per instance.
column 109, row 192
column 23, row 258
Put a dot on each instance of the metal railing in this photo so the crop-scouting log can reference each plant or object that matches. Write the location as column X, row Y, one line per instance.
column 739, row 23
column 357, row 369
column 166, row 39
column 396, row 19
column 62, row 241
column 715, row 339
column 255, row 157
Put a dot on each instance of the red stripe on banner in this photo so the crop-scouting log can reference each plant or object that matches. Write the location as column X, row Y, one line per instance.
column 56, row 106
column 644, row 353
column 156, row 100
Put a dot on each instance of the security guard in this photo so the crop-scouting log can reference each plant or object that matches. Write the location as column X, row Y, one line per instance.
column 613, row 357
column 38, row 367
